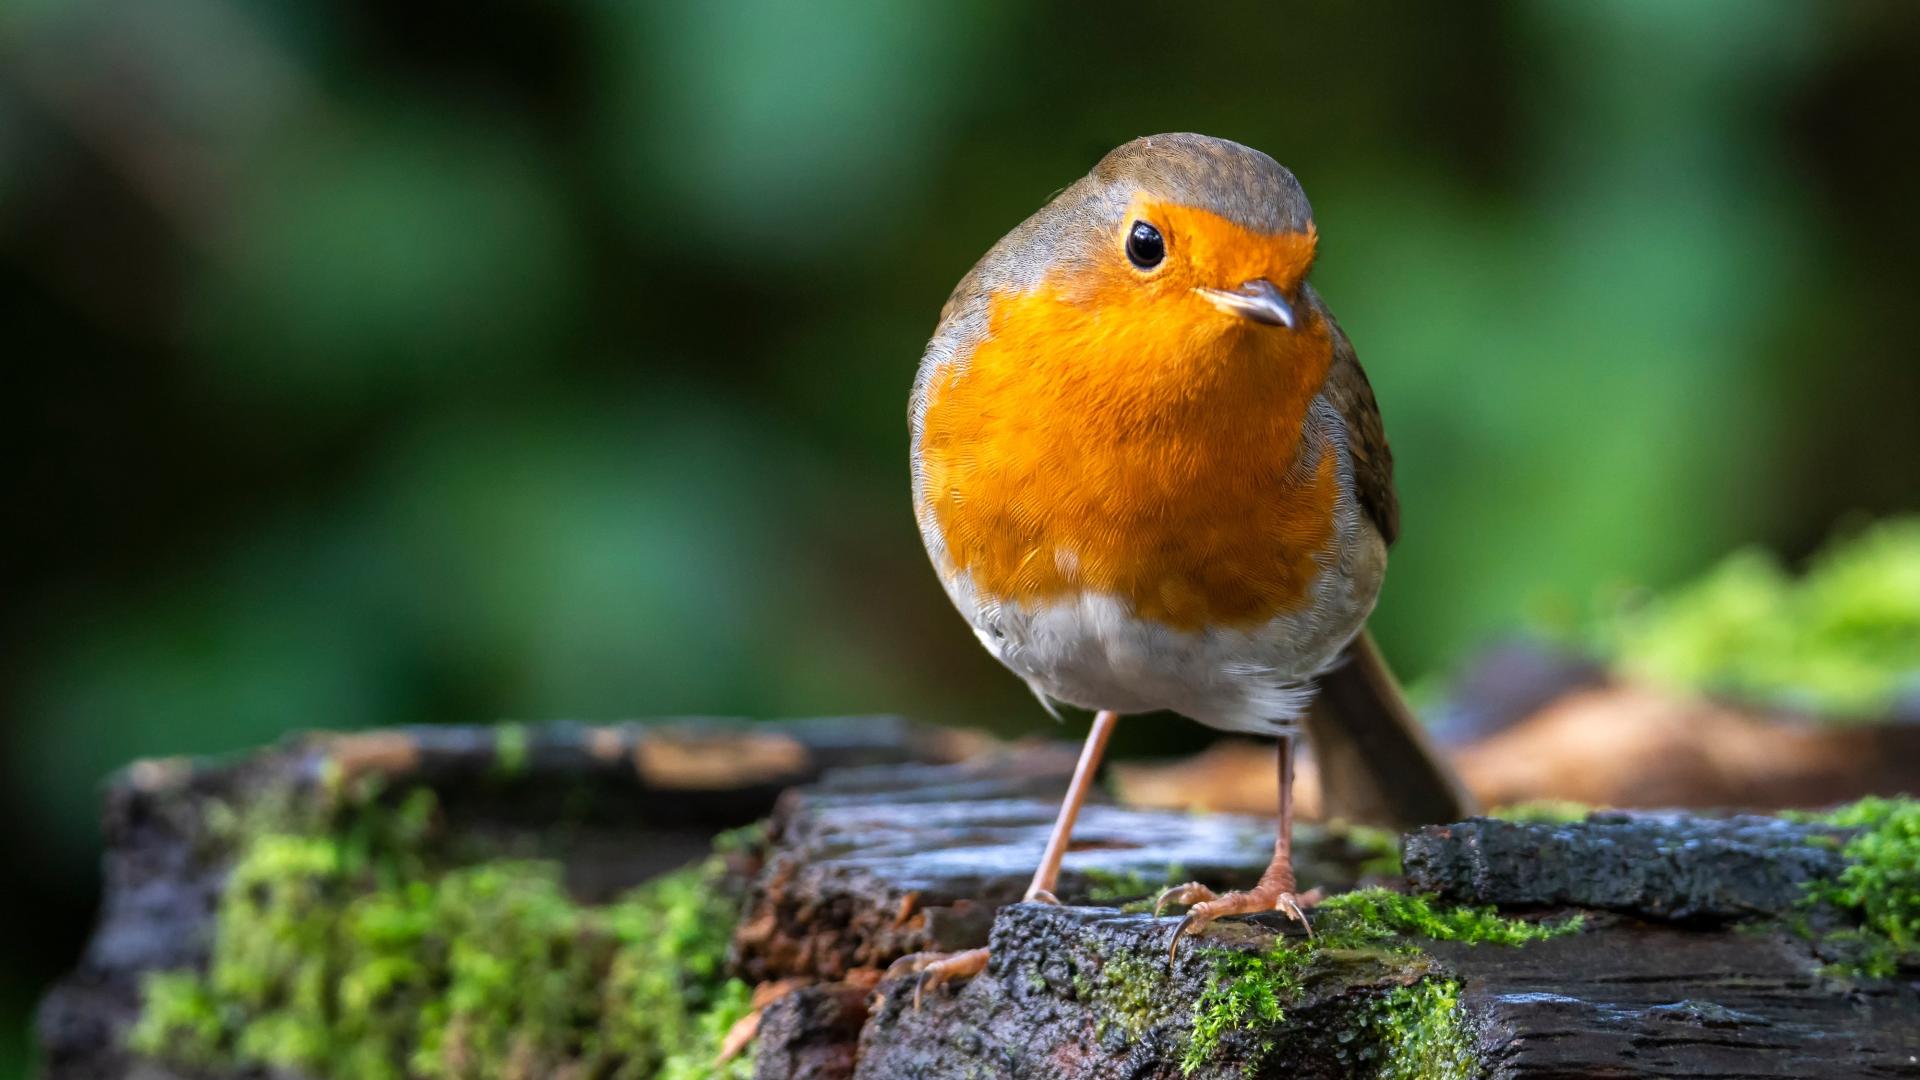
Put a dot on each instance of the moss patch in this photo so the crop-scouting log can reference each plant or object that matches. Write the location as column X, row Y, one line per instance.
column 1841, row 640
column 1420, row 1033
column 1372, row 915
column 1368, row 933
column 349, row 953
column 1543, row 812
column 1129, row 993
column 1879, row 889
column 1133, row 890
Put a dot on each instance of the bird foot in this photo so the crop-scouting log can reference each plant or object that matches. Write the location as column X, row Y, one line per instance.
column 937, row 969
column 1204, row 906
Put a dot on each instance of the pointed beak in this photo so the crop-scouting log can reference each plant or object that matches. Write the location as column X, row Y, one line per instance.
column 1258, row 300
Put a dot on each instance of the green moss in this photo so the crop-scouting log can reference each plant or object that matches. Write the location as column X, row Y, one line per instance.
column 1367, row 931
column 1132, row 889
column 1246, row 989
column 1543, row 812
column 746, row 839
column 1129, row 993
column 1420, row 1033
column 1879, row 889
column 695, row 1059
column 1380, row 914
column 349, row 953
column 510, row 749
column 1840, row 640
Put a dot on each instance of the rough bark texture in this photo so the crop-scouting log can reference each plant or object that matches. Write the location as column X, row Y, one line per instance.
column 1624, row 998
column 1672, row 978
column 812, row 1032
column 1633, row 999
column 1088, row 992
column 873, row 864
column 635, row 800
column 891, row 846
column 1665, row 866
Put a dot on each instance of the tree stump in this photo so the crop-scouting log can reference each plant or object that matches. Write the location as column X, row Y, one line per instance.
column 1695, row 953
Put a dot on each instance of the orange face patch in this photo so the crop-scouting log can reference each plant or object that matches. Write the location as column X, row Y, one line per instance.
column 1116, row 432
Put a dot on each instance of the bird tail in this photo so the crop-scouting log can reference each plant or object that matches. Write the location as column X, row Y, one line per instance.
column 1376, row 763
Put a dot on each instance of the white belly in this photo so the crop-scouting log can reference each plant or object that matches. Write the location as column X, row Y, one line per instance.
column 1092, row 651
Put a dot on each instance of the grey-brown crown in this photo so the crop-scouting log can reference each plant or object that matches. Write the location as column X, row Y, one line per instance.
column 1237, row 182
column 1081, row 225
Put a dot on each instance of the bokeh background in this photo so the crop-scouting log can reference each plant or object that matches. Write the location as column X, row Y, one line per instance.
column 381, row 363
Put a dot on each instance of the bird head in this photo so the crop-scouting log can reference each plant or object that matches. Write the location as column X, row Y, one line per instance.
column 1197, row 226
column 1177, row 257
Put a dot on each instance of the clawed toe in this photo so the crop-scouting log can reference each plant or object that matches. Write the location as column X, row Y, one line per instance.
column 1185, row 895
column 1294, row 907
column 1207, row 907
column 937, row 969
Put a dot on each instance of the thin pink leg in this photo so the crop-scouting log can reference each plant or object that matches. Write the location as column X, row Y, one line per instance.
column 1047, row 876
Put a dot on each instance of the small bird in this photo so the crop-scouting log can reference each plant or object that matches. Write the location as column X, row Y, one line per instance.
column 1152, row 476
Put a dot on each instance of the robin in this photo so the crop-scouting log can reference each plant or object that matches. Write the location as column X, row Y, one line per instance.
column 1152, row 476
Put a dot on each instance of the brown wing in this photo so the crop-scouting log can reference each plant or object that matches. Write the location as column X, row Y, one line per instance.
column 1347, row 388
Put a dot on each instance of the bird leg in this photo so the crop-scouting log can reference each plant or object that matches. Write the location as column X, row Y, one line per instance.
column 937, row 968
column 1275, row 892
column 1047, row 875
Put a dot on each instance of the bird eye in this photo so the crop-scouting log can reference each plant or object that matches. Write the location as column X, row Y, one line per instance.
column 1144, row 246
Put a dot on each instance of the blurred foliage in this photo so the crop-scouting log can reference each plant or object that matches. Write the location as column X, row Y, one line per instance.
column 349, row 953
column 1841, row 640
column 1542, row 811
column 391, row 363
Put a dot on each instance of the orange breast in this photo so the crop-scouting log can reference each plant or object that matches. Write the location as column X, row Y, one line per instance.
column 1141, row 446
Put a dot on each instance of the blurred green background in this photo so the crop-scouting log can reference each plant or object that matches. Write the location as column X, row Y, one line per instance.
column 376, row 363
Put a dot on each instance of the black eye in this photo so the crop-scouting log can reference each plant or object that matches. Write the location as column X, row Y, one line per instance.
column 1144, row 246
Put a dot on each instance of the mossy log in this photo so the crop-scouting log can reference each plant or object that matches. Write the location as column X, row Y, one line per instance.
column 872, row 864
column 1619, row 946
column 1084, row 993
column 608, row 806
column 1683, row 967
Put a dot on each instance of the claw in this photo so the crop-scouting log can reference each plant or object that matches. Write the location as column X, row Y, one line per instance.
column 1206, row 907
column 1173, row 947
column 1290, row 905
column 1186, row 895
column 1041, row 896
column 910, row 964
column 936, row 969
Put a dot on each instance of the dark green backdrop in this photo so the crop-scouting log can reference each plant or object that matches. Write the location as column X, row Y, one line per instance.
column 373, row 363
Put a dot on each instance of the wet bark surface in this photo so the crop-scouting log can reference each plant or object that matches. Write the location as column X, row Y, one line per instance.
column 884, row 842
column 1624, row 998
column 1635, row 999
column 614, row 805
column 873, row 864
column 1679, row 972
column 1666, row 866
column 1091, row 992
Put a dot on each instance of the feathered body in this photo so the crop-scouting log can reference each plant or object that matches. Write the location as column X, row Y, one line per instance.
column 1138, row 500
